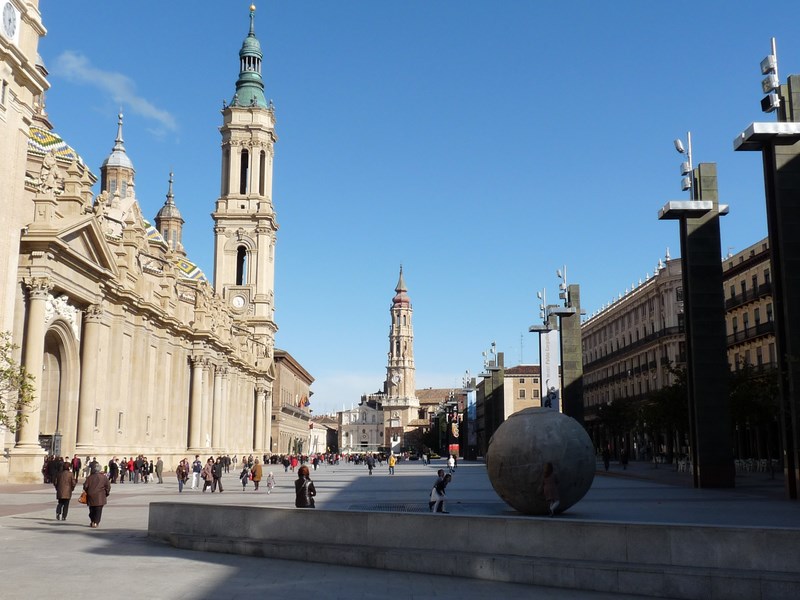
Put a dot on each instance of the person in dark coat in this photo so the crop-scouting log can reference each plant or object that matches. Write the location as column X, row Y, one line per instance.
column 113, row 470
column 304, row 490
column 216, row 474
column 97, row 488
column 64, row 484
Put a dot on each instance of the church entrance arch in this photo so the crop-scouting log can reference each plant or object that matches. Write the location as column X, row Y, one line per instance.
column 59, row 394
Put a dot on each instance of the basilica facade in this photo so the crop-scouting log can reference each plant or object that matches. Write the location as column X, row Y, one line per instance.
column 131, row 347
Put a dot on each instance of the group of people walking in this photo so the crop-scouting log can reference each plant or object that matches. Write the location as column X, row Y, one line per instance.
column 96, row 489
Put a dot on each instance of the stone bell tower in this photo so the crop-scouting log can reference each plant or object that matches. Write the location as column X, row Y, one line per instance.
column 401, row 405
column 245, row 224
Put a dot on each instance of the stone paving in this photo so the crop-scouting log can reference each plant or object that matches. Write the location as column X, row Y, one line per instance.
column 128, row 565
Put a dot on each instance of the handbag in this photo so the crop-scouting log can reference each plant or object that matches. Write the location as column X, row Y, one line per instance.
column 83, row 499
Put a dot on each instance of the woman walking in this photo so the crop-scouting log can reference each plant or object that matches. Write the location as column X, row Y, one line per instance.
column 206, row 475
column 182, row 473
column 97, row 488
column 64, row 484
column 304, row 489
column 257, row 474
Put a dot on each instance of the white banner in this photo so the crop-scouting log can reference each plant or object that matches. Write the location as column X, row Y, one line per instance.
column 548, row 361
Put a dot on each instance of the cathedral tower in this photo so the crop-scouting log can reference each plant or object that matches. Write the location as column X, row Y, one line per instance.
column 401, row 405
column 117, row 174
column 244, row 235
column 170, row 223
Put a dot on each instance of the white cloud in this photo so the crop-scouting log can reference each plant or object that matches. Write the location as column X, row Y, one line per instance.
column 75, row 67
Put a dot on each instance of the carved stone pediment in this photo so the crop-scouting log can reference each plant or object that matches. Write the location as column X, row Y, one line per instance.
column 85, row 241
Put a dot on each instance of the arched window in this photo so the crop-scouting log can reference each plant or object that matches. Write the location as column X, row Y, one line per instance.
column 244, row 172
column 241, row 265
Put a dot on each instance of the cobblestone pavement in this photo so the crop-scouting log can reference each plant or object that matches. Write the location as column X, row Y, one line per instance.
column 37, row 552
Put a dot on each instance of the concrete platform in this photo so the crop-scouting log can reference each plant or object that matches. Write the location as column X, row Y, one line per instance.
column 30, row 537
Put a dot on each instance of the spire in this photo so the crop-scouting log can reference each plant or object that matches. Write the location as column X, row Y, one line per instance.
column 250, row 85
column 169, row 222
column 169, row 210
column 401, row 284
column 118, row 156
column 401, row 298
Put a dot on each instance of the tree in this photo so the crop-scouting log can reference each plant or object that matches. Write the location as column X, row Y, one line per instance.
column 754, row 407
column 667, row 410
column 16, row 386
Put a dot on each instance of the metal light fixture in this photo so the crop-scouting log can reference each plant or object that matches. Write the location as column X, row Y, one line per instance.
column 562, row 287
column 769, row 67
column 686, row 166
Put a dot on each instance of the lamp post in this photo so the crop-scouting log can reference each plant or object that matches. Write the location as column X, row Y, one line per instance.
column 779, row 144
column 704, row 311
column 569, row 325
column 548, row 355
column 492, row 375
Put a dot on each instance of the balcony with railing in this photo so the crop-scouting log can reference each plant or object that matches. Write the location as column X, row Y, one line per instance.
column 764, row 290
column 751, row 333
column 631, row 348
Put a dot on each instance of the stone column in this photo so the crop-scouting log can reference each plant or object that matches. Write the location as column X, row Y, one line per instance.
column 261, row 393
column 224, row 423
column 28, row 433
column 92, row 322
column 216, row 418
column 268, row 421
column 205, row 393
column 196, row 403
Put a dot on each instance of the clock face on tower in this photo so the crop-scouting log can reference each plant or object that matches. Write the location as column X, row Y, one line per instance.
column 10, row 19
column 238, row 301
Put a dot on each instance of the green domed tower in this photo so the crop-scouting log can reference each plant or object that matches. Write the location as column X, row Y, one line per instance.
column 245, row 222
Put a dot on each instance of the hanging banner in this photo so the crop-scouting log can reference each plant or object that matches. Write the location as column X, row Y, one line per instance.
column 548, row 361
column 472, row 418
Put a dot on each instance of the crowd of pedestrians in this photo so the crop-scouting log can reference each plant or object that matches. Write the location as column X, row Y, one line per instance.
column 207, row 474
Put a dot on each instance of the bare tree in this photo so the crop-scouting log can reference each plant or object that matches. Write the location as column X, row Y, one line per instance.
column 16, row 386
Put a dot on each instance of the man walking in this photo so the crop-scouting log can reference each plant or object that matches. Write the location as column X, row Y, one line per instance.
column 197, row 466
column 159, row 469
column 216, row 475
column 370, row 463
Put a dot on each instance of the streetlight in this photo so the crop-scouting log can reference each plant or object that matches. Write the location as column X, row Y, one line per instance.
column 769, row 67
column 778, row 144
column 686, row 166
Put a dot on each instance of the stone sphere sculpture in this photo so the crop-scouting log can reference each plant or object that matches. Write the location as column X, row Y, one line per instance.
column 524, row 443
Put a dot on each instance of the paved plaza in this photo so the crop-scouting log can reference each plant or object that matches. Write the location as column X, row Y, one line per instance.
column 39, row 552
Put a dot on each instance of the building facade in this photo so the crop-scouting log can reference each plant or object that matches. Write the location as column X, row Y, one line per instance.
column 521, row 388
column 630, row 345
column 749, row 318
column 291, row 401
column 131, row 348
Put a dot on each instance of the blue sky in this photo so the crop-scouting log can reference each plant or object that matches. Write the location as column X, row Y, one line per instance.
column 482, row 145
